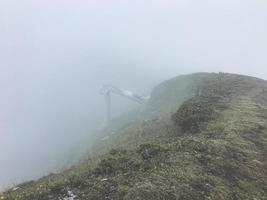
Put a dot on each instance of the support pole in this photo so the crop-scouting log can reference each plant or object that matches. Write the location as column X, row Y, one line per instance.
column 108, row 103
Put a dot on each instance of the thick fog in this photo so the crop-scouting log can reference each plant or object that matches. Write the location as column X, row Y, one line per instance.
column 55, row 54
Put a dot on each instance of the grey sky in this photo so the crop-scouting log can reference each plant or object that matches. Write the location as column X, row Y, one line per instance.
column 54, row 54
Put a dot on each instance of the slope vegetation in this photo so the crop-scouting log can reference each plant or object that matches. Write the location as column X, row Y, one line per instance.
column 201, row 136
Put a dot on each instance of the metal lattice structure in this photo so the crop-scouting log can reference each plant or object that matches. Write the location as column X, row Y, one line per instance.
column 106, row 90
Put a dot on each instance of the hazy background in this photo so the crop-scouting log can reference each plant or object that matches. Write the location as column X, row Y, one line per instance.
column 55, row 54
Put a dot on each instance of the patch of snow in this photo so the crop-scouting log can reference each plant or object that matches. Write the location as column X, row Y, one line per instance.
column 70, row 196
column 105, row 138
column 15, row 188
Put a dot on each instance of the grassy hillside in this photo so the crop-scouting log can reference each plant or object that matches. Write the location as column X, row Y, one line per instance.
column 201, row 136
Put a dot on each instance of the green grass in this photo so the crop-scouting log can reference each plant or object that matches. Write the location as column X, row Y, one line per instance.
column 212, row 146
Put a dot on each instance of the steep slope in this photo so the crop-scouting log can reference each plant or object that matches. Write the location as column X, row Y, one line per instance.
column 202, row 136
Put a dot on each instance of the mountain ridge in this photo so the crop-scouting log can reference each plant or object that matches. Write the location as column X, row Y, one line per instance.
column 201, row 136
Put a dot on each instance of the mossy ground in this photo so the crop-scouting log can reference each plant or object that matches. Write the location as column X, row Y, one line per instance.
column 213, row 147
